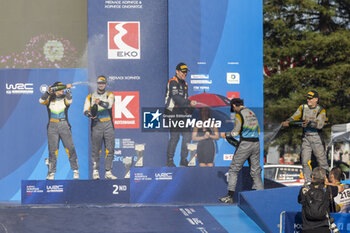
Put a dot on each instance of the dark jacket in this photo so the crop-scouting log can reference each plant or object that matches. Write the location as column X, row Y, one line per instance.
column 314, row 224
column 176, row 99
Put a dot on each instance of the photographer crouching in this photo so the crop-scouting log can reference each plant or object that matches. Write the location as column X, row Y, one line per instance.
column 315, row 199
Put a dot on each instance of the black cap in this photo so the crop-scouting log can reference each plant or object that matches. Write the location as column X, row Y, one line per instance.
column 57, row 84
column 312, row 94
column 101, row 79
column 236, row 101
column 182, row 67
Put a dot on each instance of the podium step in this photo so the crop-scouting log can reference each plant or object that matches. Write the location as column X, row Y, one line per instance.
column 164, row 185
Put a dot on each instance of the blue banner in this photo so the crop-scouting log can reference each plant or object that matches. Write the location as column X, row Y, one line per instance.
column 75, row 192
column 177, row 185
column 23, row 127
column 223, row 50
column 136, row 45
column 293, row 222
column 128, row 43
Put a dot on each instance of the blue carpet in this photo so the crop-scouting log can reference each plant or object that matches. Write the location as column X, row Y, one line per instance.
column 106, row 219
column 124, row 218
column 233, row 219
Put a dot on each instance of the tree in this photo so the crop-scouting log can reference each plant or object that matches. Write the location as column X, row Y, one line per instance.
column 306, row 47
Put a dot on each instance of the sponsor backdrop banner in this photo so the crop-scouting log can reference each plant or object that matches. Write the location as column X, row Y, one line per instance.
column 221, row 42
column 136, row 45
column 23, row 125
column 128, row 43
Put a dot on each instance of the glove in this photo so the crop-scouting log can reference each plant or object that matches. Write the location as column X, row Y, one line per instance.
column 234, row 142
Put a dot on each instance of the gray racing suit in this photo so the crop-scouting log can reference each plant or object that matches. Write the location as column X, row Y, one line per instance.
column 311, row 140
column 247, row 126
column 59, row 128
column 102, row 129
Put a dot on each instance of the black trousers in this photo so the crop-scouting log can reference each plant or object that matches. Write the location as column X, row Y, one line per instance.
column 318, row 230
column 174, row 139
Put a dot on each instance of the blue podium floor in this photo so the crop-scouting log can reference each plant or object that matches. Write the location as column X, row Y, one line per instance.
column 16, row 218
column 233, row 219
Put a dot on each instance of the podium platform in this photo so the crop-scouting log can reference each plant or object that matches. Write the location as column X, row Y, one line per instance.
column 167, row 185
column 75, row 191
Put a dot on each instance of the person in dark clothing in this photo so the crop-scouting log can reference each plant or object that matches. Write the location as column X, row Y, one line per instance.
column 205, row 137
column 177, row 104
column 318, row 181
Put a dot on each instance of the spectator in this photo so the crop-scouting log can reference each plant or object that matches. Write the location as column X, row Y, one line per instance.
column 205, row 138
column 335, row 176
column 315, row 199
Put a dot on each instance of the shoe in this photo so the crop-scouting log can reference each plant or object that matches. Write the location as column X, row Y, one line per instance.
column 110, row 176
column 184, row 163
column 226, row 199
column 95, row 175
column 170, row 163
column 50, row 176
column 76, row 175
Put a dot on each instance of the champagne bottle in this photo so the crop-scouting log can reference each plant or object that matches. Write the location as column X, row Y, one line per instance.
column 94, row 110
column 296, row 123
column 59, row 87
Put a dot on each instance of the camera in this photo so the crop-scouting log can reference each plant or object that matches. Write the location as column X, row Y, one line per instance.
column 332, row 226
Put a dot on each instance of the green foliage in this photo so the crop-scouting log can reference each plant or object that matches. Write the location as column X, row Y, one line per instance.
column 306, row 47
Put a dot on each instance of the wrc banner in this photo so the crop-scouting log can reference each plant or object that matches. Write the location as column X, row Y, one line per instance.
column 137, row 44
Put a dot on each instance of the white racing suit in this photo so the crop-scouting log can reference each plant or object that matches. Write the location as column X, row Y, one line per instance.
column 102, row 129
column 247, row 126
column 311, row 140
column 59, row 128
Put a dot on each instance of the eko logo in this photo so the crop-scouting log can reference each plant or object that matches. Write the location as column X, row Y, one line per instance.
column 124, row 40
column 126, row 110
column 233, row 78
column 19, row 88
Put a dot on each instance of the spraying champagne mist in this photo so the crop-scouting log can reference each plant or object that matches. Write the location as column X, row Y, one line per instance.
column 269, row 137
column 80, row 83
